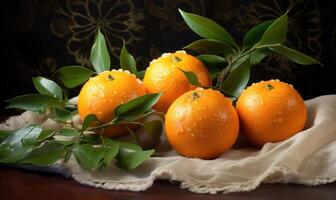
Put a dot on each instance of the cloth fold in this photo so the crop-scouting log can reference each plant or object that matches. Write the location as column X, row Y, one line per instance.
column 307, row 158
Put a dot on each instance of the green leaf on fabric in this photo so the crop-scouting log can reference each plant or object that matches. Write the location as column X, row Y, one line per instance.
column 130, row 157
column 45, row 155
column 109, row 154
column 27, row 135
column 88, row 156
column 4, row 135
column 14, row 153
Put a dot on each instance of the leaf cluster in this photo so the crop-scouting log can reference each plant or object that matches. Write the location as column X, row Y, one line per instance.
column 42, row 147
column 229, row 62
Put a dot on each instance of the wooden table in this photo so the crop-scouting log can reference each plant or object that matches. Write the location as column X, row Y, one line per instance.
column 23, row 184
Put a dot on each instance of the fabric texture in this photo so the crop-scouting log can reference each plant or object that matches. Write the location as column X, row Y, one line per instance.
column 307, row 158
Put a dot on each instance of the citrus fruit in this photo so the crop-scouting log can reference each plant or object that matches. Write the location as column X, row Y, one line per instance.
column 201, row 123
column 270, row 111
column 101, row 94
column 164, row 75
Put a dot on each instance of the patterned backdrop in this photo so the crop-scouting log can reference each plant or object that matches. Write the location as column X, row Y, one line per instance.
column 40, row 36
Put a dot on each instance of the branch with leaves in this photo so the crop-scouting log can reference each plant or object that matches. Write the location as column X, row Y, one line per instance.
column 229, row 62
column 42, row 147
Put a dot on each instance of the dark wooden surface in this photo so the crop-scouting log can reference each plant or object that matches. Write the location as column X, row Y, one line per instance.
column 22, row 184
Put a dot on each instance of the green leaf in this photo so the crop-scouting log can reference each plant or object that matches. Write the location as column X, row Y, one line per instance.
column 129, row 159
column 68, row 133
column 14, row 153
column 141, row 74
column 295, row 56
column 47, row 87
column 258, row 55
column 61, row 115
column 45, row 134
column 45, row 155
column 91, row 138
column 153, row 129
column 191, row 76
column 19, row 144
column 109, row 154
column 207, row 28
column 4, row 135
column 134, row 159
column 27, row 135
column 127, row 61
column 67, row 156
column 213, row 66
column 33, row 102
column 254, row 35
column 89, row 119
column 129, row 147
column 276, row 32
column 87, row 156
column 100, row 57
column 137, row 106
column 63, row 142
column 210, row 46
column 72, row 76
column 237, row 80
column 213, row 59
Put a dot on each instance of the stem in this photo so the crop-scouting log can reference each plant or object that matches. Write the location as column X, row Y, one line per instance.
column 134, row 135
column 115, row 123
column 111, row 123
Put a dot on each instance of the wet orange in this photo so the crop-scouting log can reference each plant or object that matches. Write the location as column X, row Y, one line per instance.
column 270, row 111
column 202, row 123
column 164, row 75
column 104, row 92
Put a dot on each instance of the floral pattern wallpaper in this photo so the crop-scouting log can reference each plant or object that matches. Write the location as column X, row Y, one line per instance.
column 40, row 36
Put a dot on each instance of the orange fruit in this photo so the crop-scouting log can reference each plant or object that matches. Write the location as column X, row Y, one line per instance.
column 202, row 123
column 270, row 111
column 101, row 94
column 164, row 75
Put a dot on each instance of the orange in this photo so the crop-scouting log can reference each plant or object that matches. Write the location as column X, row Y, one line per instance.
column 164, row 75
column 202, row 123
column 101, row 94
column 270, row 111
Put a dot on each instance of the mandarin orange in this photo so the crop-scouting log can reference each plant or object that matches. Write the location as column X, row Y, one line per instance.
column 202, row 123
column 101, row 94
column 270, row 111
column 164, row 75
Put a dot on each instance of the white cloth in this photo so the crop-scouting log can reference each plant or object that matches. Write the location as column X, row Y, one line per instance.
column 307, row 158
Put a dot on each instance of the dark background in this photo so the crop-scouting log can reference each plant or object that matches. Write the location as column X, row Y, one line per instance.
column 39, row 36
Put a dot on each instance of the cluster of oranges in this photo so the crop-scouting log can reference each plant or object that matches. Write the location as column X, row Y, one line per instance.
column 199, row 122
